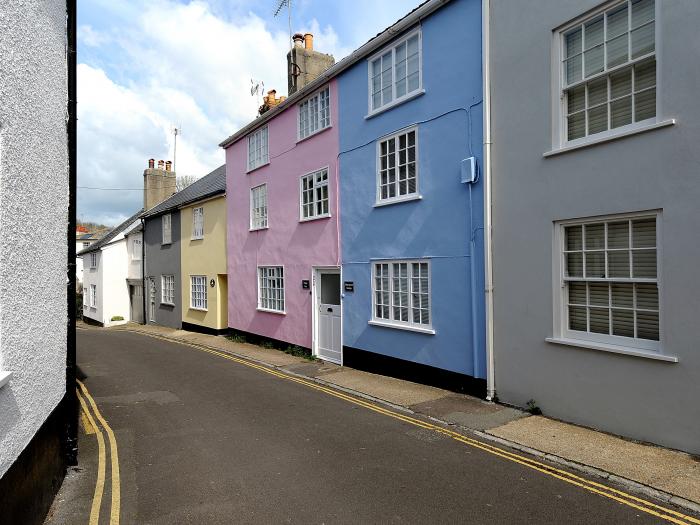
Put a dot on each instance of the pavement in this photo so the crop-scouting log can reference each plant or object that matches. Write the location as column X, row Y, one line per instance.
column 212, row 431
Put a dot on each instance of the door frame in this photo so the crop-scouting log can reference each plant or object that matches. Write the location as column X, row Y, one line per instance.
column 315, row 284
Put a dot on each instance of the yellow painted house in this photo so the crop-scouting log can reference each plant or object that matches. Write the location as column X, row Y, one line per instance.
column 204, row 289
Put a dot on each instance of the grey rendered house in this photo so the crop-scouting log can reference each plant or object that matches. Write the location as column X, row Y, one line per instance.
column 162, row 249
column 595, row 225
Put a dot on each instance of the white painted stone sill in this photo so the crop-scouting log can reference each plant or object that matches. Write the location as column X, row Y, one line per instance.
column 5, row 378
column 614, row 349
column 428, row 331
column 611, row 137
column 395, row 103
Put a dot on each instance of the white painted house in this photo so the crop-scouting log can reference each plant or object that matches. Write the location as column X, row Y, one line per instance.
column 111, row 271
column 82, row 241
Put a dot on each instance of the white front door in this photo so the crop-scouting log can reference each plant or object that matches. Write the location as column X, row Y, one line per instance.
column 328, row 330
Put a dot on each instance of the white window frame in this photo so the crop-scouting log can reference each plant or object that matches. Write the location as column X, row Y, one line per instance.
column 198, row 292
column 560, row 129
column 167, row 289
column 316, row 116
column 314, row 201
column 93, row 296
column 392, row 322
column 264, row 158
column 617, row 343
column 398, row 198
column 259, row 222
column 167, row 233
column 259, row 276
column 136, row 249
column 86, row 244
column 408, row 95
column 93, row 259
column 198, row 229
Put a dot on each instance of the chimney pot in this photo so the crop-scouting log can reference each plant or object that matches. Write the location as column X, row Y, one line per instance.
column 151, row 163
column 160, row 164
column 309, row 41
column 168, row 165
column 298, row 38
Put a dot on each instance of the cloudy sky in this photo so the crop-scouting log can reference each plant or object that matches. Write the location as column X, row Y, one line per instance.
column 146, row 66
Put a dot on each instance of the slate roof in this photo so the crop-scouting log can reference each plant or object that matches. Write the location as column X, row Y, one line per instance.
column 86, row 237
column 208, row 186
column 111, row 234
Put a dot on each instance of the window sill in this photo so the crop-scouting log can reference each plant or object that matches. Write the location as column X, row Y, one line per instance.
column 317, row 132
column 257, row 167
column 197, row 238
column 428, row 331
column 198, row 309
column 311, row 219
column 268, row 311
column 258, row 229
column 165, row 243
column 5, row 378
column 163, row 303
column 408, row 198
column 611, row 137
column 615, row 349
column 395, row 103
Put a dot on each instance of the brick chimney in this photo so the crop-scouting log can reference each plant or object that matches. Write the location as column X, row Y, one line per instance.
column 304, row 64
column 158, row 183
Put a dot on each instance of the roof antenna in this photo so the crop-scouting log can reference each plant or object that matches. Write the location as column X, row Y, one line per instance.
column 176, row 131
column 278, row 9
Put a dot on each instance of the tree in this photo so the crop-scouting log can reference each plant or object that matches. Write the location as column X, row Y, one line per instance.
column 183, row 181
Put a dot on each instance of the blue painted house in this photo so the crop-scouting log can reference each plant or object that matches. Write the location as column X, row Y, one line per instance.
column 412, row 234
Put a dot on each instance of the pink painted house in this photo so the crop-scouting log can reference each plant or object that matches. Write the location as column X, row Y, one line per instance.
column 283, row 228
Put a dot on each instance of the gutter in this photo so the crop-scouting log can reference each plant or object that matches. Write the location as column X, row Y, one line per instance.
column 363, row 51
column 488, row 241
column 70, row 437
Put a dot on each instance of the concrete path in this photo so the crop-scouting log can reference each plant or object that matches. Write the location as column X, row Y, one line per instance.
column 209, row 438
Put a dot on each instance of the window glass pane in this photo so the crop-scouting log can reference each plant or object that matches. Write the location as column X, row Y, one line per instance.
column 617, row 51
column 595, row 236
column 644, row 263
column 577, row 293
column 593, row 33
column 576, row 126
column 576, row 99
column 595, row 264
column 648, row 325
column 599, row 320
column 618, row 235
column 330, row 288
column 573, row 69
column 642, row 12
column 644, row 233
column 621, row 112
column 574, row 237
column 643, row 40
column 621, row 83
column 573, row 42
column 645, row 75
column 598, row 294
column 593, row 60
column 622, row 295
column 647, row 296
column 617, row 21
column 623, row 323
column 574, row 265
column 619, row 264
column 598, row 119
column 645, row 105
column 597, row 92
column 577, row 318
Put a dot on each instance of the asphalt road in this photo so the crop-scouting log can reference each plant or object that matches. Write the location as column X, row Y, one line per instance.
column 206, row 440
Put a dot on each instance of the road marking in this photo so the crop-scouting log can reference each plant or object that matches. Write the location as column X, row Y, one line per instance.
column 87, row 427
column 591, row 486
column 116, row 485
column 100, row 483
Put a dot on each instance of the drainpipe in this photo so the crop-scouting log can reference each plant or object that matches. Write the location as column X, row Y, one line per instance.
column 71, row 406
column 488, row 255
column 143, row 269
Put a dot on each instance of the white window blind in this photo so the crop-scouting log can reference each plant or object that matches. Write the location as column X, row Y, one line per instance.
column 610, row 279
column 167, row 229
column 398, row 170
column 609, row 70
column 258, row 207
column 396, row 73
column 93, row 260
column 198, row 223
column 167, row 289
column 93, row 295
column 315, row 113
column 271, row 288
column 198, row 292
column 401, row 293
column 136, row 249
column 258, row 149
column 314, row 195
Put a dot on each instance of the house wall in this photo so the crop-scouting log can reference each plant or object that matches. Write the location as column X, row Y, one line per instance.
column 449, row 120
column 163, row 259
column 641, row 398
column 33, row 249
column 115, row 292
column 288, row 242
column 205, row 256
column 93, row 276
column 135, row 255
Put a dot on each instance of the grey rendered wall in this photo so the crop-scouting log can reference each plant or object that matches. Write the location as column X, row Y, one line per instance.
column 636, row 397
column 163, row 260
column 33, row 218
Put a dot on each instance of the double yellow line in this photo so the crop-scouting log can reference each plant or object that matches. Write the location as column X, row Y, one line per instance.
column 619, row 496
column 83, row 394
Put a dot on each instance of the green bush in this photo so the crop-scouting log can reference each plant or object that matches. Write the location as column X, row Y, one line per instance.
column 117, row 318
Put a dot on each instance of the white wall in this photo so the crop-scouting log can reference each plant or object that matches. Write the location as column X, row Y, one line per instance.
column 92, row 276
column 115, row 292
column 135, row 255
column 33, row 218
